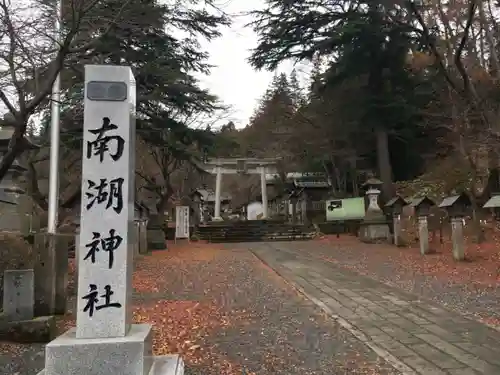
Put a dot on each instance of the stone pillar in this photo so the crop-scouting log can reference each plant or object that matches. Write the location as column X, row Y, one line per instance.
column 143, row 237
column 423, row 234
column 63, row 241
column 202, row 213
column 17, row 322
column 303, row 210
column 137, row 230
column 44, row 266
column 104, row 340
column 155, row 233
column 218, row 187
column 107, row 214
column 77, row 247
column 18, row 294
column 77, row 256
column 51, row 273
column 457, row 238
column 396, row 220
column 263, row 187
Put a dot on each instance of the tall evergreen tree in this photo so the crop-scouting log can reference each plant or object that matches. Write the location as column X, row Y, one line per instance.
column 363, row 45
column 164, row 62
column 296, row 90
column 270, row 125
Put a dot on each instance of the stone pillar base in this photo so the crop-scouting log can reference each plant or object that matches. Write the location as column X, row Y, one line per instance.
column 373, row 231
column 51, row 262
column 423, row 235
column 142, row 241
column 217, row 218
column 155, row 239
column 457, row 238
column 398, row 241
column 137, row 230
column 37, row 330
column 129, row 355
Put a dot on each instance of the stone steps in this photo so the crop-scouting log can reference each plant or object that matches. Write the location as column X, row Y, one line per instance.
column 253, row 231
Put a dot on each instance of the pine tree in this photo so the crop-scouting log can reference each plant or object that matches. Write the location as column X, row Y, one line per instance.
column 165, row 64
column 270, row 126
column 367, row 50
column 315, row 77
column 296, row 90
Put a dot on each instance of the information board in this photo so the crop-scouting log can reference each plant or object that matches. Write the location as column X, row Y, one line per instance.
column 182, row 222
column 345, row 209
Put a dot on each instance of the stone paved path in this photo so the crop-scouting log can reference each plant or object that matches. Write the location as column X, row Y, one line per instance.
column 228, row 314
column 471, row 288
column 416, row 336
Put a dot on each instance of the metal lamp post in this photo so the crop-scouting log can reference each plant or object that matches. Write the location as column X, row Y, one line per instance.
column 54, row 137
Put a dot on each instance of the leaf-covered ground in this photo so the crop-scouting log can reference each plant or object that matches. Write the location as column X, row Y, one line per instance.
column 471, row 287
column 226, row 313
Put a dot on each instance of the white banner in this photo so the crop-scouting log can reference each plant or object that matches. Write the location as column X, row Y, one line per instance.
column 182, row 222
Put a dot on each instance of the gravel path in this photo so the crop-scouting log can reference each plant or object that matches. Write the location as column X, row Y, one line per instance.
column 227, row 313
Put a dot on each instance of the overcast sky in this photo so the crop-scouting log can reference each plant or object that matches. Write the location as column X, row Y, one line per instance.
column 232, row 78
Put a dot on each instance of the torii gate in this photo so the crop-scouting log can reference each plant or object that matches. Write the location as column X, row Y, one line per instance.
column 240, row 166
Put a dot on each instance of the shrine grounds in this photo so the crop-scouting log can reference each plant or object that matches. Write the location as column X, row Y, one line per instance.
column 470, row 288
column 308, row 308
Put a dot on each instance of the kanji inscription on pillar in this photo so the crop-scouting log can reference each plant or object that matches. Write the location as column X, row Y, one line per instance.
column 105, row 256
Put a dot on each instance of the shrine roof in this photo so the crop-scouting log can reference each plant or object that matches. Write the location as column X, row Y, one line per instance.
column 397, row 199
column 311, row 184
column 454, row 199
column 493, row 202
column 419, row 200
column 236, row 161
column 209, row 195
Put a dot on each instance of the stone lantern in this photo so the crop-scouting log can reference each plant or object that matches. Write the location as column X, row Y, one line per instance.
column 456, row 206
column 422, row 208
column 395, row 205
column 373, row 188
column 374, row 227
column 494, row 204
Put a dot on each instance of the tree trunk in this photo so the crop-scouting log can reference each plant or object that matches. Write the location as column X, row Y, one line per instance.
column 476, row 222
column 16, row 147
column 384, row 162
column 162, row 205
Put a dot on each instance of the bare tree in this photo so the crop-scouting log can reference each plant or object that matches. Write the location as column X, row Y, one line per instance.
column 36, row 178
column 169, row 159
column 32, row 55
column 461, row 40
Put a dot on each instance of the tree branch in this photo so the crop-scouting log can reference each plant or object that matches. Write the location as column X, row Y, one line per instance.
column 458, row 54
column 432, row 44
column 33, row 188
